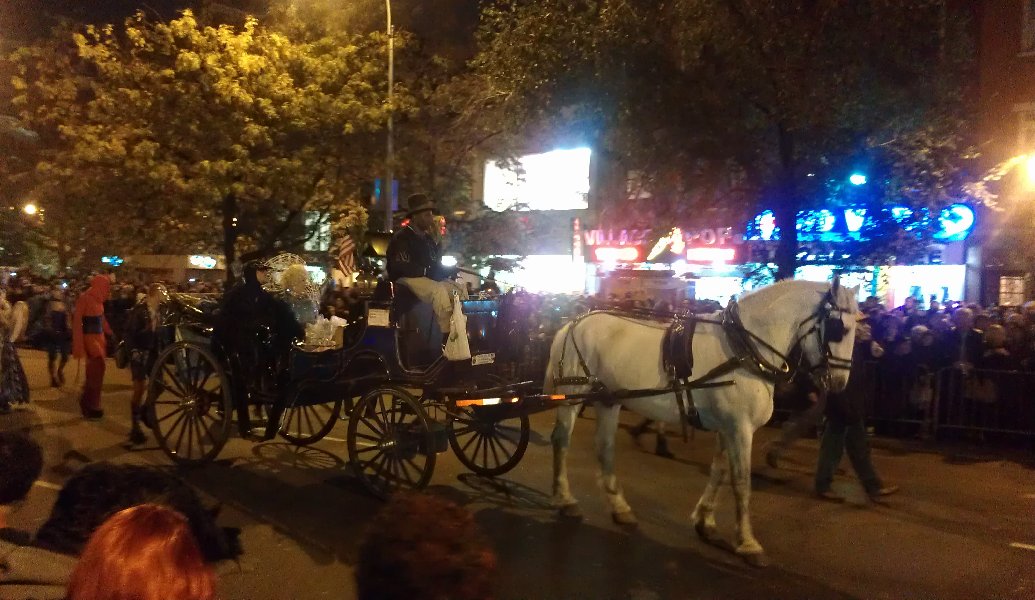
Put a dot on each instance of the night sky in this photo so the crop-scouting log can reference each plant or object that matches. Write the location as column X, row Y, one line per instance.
column 449, row 23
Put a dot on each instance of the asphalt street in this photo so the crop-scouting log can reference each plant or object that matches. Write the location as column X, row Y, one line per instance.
column 963, row 525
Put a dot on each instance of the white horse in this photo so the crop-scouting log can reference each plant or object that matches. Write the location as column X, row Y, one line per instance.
column 625, row 354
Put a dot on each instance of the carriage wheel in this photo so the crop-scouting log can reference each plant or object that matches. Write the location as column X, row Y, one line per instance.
column 304, row 425
column 188, row 403
column 390, row 443
column 485, row 443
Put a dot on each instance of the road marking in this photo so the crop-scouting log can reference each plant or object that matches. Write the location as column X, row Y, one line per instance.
column 1023, row 546
column 47, row 484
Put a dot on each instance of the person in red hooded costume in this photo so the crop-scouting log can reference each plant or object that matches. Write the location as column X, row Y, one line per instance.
column 89, row 329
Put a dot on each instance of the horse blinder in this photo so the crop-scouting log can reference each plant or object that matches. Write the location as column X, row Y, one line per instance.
column 834, row 330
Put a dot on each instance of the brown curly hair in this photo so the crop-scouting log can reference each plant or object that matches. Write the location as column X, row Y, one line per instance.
column 421, row 547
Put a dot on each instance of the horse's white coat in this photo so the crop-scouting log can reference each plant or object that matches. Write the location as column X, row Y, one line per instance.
column 625, row 354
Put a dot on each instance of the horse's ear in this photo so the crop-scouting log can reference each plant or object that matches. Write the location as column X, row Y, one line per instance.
column 836, row 286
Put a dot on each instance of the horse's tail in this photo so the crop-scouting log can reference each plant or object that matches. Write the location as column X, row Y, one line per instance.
column 553, row 362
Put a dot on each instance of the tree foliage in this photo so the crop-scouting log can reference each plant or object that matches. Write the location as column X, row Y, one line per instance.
column 741, row 103
column 199, row 134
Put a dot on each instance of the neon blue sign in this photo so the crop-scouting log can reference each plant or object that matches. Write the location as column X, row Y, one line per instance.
column 854, row 219
column 957, row 221
column 112, row 260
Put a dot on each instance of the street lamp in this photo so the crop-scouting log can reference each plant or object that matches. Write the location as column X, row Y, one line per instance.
column 30, row 209
column 386, row 189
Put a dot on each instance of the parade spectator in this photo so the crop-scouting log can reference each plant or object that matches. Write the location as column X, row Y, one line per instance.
column 141, row 330
column 423, row 547
column 89, row 341
column 146, row 552
column 26, row 571
column 963, row 344
column 56, row 336
column 14, row 387
column 846, row 428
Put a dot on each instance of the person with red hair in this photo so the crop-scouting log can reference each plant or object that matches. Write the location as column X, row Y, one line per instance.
column 89, row 328
column 142, row 553
column 422, row 547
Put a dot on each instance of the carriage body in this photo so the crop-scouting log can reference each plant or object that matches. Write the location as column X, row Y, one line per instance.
column 197, row 388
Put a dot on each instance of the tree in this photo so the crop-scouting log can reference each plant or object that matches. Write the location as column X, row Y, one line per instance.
column 742, row 103
column 214, row 133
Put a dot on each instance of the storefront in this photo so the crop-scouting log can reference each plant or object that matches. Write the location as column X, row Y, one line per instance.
column 715, row 262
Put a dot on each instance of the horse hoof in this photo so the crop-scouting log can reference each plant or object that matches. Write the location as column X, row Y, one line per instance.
column 626, row 519
column 759, row 560
column 571, row 512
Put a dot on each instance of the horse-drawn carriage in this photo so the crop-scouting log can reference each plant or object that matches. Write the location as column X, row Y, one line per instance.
column 402, row 414
column 402, row 410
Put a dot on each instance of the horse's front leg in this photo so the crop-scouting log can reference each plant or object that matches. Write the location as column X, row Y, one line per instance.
column 703, row 517
column 739, row 451
column 607, row 426
column 561, row 440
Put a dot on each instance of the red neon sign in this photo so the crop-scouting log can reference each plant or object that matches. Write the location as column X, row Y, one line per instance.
column 711, row 255
column 617, row 254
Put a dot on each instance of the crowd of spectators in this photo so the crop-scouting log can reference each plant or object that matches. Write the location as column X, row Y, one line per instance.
column 41, row 293
column 921, row 338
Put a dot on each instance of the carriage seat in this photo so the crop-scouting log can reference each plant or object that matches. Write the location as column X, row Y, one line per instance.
column 400, row 296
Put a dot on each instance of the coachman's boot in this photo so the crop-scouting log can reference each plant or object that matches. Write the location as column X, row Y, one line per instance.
column 661, row 449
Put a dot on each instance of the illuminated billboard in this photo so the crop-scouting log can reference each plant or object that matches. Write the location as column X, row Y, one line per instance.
column 556, row 180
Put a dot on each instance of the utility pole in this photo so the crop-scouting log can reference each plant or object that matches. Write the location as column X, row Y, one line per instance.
column 387, row 187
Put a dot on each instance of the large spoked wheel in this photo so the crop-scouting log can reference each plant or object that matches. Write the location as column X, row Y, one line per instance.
column 188, row 403
column 304, row 425
column 390, row 442
column 486, row 440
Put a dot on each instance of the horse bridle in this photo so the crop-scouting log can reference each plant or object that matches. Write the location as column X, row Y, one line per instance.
column 828, row 329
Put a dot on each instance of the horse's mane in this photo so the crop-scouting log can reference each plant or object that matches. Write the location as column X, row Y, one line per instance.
column 771, row 293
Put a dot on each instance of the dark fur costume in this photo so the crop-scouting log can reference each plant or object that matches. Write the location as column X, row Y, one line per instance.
column 101, row 490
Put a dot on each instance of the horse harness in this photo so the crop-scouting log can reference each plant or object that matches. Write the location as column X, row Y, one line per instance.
column 678, row 359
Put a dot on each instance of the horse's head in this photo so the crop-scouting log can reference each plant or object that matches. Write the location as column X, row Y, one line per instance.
column 828, row 336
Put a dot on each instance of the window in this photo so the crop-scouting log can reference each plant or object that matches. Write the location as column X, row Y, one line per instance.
column 1011, row 291
column 1028, row 33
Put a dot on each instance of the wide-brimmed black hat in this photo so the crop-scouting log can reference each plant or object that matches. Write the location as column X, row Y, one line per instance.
column 416, row 203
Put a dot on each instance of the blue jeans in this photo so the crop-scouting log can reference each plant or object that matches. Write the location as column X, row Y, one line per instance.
column 838, row 437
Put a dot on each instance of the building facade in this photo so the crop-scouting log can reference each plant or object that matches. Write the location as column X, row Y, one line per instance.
column 1003, row 258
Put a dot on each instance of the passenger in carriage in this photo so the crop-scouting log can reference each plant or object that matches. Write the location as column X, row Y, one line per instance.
column 415, row 261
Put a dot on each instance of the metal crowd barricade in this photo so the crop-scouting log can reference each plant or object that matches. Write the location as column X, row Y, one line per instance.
column 985, row 401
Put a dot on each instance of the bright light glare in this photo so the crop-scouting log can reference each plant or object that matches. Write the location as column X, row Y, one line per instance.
column 857, row 179
column 448, row 261
column 620, row 254
column 711, row 255
column 30, row 209
column 1029, row 169
column 556, row 180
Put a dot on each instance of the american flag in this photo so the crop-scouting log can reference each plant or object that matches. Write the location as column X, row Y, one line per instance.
column 347, row 256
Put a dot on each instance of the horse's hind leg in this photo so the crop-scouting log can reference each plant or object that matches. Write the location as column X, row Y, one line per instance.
column 561, row 439
column 607, row 426
column 703, row 517
column 739, row 451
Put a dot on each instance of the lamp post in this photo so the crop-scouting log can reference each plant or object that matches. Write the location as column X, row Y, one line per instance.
column 386, row 189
